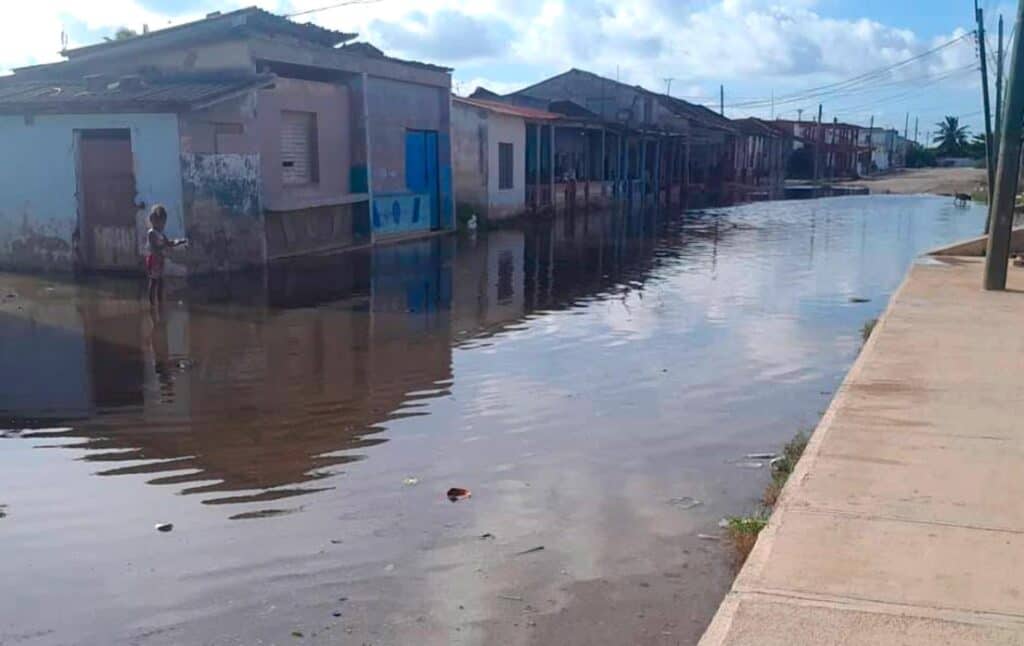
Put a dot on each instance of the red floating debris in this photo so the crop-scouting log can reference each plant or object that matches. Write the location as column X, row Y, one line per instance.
column 456, row 494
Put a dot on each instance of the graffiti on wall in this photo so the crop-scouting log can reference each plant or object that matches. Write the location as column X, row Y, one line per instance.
column 401, row 213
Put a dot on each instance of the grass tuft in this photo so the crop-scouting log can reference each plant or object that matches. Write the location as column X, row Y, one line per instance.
column 867, row 329
column 742, row 532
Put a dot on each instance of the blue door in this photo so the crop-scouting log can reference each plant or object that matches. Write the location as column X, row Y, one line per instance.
column 421, row 173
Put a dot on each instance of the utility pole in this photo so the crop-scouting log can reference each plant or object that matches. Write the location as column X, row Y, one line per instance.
column 668, row 85
column 989, row 147
column 997, row 255
column 916, row 119
column 773, row 104
column 871, row 146
column 721, row 100
column 906, row 127
column 799, row 115
column 999, row 86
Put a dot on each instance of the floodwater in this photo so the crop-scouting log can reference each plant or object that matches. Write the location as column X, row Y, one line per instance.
column 300, row 429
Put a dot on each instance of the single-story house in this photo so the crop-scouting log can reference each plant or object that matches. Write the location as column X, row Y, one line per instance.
column 265, row 139
column 489, row 155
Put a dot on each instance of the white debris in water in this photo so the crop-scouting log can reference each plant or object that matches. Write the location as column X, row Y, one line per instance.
column 749, row 464
column 686, row 502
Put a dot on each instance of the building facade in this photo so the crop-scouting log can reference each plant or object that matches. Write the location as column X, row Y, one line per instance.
column 822, row 151
column 321, row 144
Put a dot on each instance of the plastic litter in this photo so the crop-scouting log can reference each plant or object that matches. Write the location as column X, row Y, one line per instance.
column 859, row 299
column 539, row 548
column 411, row 482
column 760, row 456
column 749, row 464
column 164, row 527
column 709, row 537
column 686, row 502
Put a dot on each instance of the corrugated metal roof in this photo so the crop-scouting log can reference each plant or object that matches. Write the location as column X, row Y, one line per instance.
column 250, row 17
column 120, row 96
column 512, row 110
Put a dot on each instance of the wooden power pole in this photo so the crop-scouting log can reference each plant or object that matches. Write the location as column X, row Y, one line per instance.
column 721, row 100
column 997, row 255
column 990, row 158
column 999, row 85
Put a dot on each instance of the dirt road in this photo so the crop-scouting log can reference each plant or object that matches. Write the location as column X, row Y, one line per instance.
column 940, row 181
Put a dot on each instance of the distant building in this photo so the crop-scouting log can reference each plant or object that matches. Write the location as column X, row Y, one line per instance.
column 760, row 159
column 822, row 151
column 620, row 141
column 883, row 149
column 264, row 138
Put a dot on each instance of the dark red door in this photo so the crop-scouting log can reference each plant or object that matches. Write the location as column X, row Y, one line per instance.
column 107, row 181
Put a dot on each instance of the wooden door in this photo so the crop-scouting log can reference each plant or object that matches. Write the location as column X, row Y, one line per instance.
column 107, row 199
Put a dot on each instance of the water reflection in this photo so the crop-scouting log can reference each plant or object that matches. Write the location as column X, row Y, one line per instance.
column 259, row 387
column 576, row 374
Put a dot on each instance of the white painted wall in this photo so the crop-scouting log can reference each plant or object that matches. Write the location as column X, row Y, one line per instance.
column 39, row 185
column 506, row 129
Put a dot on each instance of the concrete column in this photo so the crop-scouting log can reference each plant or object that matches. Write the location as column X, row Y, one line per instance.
column 551, row 155
column 536, row 184
column 604, row 160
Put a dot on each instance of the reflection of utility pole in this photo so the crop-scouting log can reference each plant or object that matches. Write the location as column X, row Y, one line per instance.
column 997, row 254
column 668, row 85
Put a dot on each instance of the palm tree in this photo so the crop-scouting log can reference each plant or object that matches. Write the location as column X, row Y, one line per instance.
column 952, row 137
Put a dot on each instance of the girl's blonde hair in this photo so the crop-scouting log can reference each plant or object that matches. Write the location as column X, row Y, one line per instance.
column 158, row 212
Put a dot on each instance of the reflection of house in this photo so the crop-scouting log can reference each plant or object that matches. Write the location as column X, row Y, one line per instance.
column 263, row 137
column 760, row 158
column 239, row 403
column 822, row 151
column 489, row 281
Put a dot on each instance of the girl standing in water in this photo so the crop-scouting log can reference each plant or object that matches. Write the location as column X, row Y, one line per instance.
column 157, row 242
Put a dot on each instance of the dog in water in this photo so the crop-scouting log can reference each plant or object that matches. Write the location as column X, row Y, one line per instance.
column 961, row 199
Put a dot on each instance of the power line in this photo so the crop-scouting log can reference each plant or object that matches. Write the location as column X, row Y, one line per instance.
column 877, row 74
column 346, row 3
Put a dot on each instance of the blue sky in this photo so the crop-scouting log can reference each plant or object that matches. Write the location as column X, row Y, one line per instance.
column 754, row 47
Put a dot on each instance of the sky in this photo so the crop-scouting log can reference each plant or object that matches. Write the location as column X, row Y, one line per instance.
column 755, row 49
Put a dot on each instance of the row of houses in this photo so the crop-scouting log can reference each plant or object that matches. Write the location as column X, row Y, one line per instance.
column 267, row 139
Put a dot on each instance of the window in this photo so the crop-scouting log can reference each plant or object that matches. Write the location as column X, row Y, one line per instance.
column 300, row 159
column 505, row 165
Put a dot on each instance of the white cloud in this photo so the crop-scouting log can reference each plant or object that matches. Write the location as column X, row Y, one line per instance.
column 750, row 45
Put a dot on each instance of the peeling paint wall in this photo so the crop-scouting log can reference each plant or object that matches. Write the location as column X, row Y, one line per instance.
column 223, row 212
column 39, row 214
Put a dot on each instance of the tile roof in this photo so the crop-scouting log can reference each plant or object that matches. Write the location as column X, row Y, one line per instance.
column 509, row 109
column 159, row 95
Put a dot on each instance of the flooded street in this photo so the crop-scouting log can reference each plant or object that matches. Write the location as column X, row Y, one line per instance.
column 299, row 429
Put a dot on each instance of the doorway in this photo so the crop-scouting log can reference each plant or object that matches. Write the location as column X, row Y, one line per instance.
column 106, row 172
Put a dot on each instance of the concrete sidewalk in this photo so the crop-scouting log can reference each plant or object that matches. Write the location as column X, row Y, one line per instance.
column 904, row 521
